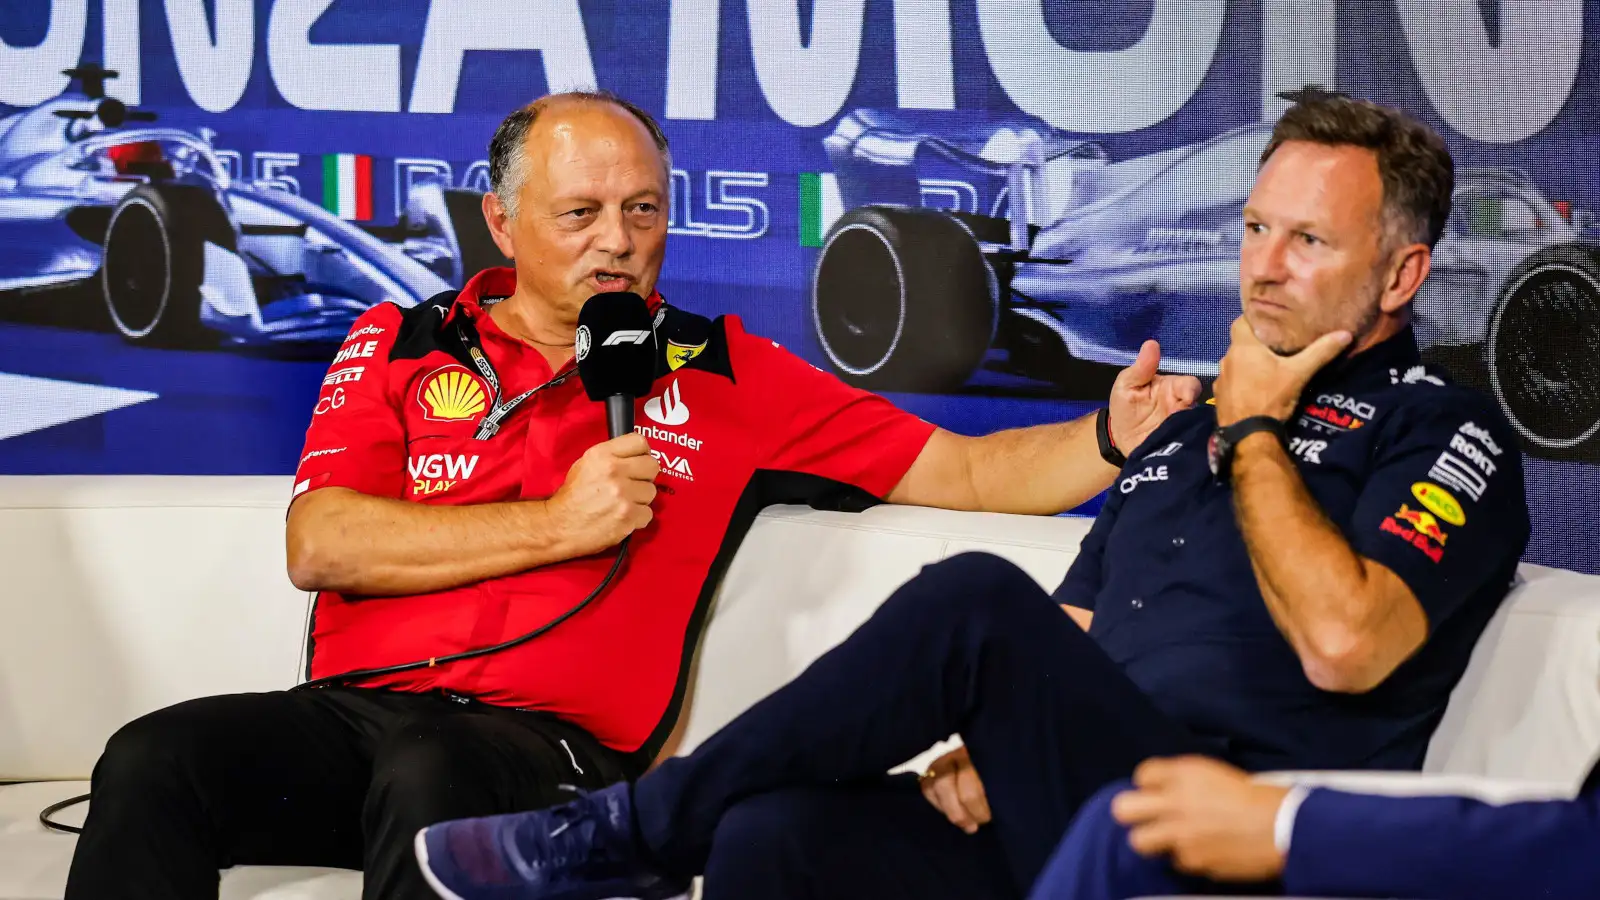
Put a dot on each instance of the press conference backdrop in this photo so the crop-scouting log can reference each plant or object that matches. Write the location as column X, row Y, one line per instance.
column 980, row 207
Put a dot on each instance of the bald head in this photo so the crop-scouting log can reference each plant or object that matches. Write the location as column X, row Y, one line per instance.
column 581, row 190
column 559, row 117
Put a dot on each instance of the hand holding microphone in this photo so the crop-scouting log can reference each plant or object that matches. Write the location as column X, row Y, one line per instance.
column 608, row 491
column 607, row 494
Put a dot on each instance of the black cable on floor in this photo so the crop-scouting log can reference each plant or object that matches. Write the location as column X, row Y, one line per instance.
column 52, row 809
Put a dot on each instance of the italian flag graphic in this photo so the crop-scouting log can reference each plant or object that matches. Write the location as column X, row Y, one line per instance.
column 820, row 206
column 347, row 185
column 1486, row 215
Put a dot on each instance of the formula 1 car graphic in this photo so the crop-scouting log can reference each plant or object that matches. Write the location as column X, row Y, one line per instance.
column 1062, row 260
column 149, row 222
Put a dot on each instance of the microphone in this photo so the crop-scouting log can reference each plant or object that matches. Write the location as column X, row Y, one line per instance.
column 616, row 351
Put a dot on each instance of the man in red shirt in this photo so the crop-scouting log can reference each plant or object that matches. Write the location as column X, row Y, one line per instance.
column 458, row 490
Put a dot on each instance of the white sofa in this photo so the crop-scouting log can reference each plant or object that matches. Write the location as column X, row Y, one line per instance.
column 126, row 594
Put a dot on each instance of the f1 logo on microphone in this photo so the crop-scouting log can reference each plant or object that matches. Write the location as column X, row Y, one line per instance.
column 625, row 336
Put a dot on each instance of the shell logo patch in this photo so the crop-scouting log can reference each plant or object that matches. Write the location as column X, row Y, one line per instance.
column 451, row 394
column 1440, row 502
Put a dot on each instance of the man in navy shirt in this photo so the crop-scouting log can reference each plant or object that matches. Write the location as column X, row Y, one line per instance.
column 1372, row 578
column 1292, row 577
column 1197, row 826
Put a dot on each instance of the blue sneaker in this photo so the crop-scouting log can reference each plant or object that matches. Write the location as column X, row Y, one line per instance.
column 584, row 850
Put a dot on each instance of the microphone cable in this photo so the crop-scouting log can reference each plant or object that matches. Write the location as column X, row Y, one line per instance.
column 52, row 809
column 345, row 677
column 517, row 641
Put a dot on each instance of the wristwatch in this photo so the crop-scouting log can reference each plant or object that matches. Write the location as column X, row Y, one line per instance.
column 1219, row 450
column 1102, row 433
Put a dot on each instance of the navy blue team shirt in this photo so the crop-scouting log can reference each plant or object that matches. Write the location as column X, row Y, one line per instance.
column 1420, row 475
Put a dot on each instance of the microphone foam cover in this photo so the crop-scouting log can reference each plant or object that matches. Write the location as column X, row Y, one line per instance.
column 616, row 346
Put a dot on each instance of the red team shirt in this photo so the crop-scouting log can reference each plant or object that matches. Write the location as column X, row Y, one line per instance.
column 736, row 422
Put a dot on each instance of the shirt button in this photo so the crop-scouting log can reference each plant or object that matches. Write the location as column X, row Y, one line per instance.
column 1138, row 603
column 1177, row 541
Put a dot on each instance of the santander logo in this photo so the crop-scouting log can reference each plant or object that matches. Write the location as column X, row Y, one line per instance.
column 669, row 408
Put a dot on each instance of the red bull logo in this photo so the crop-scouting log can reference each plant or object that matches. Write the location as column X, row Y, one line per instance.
column 1419, row 529
column 1335, row 417
column 1423, row 522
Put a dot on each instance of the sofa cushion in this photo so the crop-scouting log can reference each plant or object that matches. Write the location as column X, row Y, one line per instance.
column 1528, row 706
column 125, row 595
column 803, row 580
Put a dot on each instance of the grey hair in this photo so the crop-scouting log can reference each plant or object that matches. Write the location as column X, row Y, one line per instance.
column 508, row 155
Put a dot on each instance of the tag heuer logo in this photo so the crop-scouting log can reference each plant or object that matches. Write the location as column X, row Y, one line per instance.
column 580, row 343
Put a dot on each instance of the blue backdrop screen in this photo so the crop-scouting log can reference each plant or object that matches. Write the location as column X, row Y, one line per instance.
column 345, row 142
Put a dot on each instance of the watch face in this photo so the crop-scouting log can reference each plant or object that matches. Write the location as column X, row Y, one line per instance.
column 1215, row 447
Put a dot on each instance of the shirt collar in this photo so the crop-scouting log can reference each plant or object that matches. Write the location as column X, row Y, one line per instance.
column 1371, row 367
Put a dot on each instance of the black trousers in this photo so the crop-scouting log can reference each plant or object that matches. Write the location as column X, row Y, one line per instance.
column 789, row 800
column 331, row 777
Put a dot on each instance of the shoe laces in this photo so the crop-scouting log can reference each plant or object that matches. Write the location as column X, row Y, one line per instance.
column 567, row 838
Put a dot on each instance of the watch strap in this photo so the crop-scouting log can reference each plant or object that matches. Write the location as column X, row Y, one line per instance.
column 1226, row 439
column 1102, row 433
column 1243, row 428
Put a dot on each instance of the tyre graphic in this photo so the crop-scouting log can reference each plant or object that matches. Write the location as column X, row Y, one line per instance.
column 1544, row 350
column 903, row 300
column 137, row 270
column 154, row 262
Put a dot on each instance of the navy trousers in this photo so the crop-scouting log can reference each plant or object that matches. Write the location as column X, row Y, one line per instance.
column 790, row 800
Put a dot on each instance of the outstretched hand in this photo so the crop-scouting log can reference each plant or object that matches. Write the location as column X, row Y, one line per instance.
column 1142, row 398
